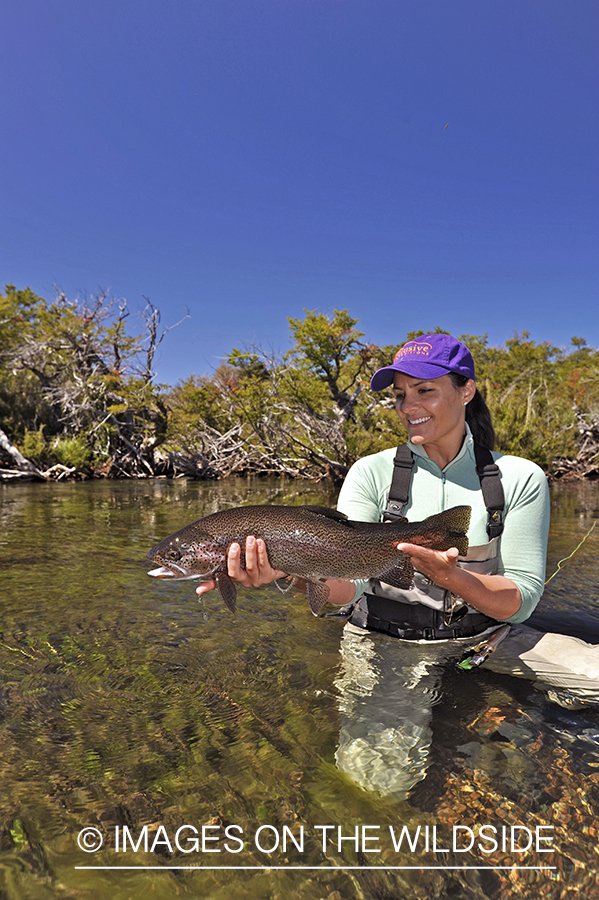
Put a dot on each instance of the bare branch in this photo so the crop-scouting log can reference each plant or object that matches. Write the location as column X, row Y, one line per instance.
column 151, row 316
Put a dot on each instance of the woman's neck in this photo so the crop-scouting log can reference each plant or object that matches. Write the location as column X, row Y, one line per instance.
column 444, row 452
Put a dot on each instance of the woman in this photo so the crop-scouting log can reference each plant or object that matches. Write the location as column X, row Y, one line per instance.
column 436, row 397
column 501, row 578
column 444, row 414
column 387, row 687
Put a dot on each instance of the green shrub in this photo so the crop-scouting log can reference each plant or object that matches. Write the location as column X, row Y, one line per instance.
column 71, row 452
column 35, row 446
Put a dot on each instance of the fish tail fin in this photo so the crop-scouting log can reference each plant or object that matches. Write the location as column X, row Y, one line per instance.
column 460, row 541
column 455, row 522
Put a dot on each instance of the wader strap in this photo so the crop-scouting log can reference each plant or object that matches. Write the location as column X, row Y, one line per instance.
column 490, row 484
column 400, row 484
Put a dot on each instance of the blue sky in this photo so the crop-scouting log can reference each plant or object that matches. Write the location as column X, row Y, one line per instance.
column 248, row 159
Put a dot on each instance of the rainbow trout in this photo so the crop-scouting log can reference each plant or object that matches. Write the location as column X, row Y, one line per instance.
column 311, row 542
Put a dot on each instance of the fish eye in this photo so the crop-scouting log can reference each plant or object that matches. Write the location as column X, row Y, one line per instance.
column 173, row 554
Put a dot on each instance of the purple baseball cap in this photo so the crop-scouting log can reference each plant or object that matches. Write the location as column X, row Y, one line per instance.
column 429, row 356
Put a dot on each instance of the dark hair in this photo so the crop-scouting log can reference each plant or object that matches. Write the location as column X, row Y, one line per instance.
column 477, row 415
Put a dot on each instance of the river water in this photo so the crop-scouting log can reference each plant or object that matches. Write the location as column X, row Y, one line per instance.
column 208, row 751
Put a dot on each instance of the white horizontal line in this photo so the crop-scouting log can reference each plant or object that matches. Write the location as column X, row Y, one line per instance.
column 315, row 868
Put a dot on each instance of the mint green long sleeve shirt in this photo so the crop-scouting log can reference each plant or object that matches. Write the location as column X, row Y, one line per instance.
column 523, row 544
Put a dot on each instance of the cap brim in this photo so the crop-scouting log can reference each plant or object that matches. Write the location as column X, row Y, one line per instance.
column 414, row 368
column 382, row 379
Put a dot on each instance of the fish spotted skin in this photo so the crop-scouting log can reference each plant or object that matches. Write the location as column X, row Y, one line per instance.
column 310, row 542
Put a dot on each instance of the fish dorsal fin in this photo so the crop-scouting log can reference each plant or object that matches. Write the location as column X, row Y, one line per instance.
column 402, row 573
column 327, row 512
column 227, row 590
column 318, row 594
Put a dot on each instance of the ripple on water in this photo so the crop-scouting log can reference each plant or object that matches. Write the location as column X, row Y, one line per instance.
column 125, row 702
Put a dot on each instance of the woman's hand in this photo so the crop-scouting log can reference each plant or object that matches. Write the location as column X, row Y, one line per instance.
column 493, row 595
column 257, row 572
column 438, row 565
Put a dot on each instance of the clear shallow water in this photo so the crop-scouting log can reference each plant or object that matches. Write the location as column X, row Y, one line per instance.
column 125, row 703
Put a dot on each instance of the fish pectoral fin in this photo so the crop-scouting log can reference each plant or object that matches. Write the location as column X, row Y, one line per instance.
column 401, row 575
column 227, row 590
column 318, row 594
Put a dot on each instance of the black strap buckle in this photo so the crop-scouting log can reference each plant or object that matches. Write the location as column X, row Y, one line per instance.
column 490, row 483
column 394, row 511
column 494, row 523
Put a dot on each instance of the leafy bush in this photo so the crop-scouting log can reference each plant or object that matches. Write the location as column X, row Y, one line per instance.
column 35, row 446
column 77, row 389
column 71, row 452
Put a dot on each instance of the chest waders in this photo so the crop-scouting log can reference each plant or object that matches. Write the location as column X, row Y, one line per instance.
column 427, row 611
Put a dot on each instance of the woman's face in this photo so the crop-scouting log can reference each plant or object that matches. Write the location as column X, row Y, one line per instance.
column 433, row 412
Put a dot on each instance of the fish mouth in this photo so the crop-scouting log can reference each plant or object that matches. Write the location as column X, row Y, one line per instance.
column 163, row 572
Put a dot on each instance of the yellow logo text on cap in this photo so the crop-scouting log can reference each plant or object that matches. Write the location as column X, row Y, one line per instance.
column 413, row 348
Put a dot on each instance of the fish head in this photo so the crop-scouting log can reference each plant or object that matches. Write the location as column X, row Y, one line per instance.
column 188, row 553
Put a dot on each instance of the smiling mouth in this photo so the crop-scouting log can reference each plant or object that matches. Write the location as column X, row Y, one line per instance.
column 419, row 421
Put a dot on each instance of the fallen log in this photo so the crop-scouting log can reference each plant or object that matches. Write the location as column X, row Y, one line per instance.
column 23, row 465
column 16, row 475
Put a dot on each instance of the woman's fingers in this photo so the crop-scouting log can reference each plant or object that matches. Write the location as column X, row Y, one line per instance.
column 435, row 564
column 266, row 573
column 234, row 568
column 261, row 553
column 257, row 570
column 205, row 586
column 252, row 562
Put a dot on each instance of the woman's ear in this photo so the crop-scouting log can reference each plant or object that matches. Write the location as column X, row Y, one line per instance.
column 468, row 391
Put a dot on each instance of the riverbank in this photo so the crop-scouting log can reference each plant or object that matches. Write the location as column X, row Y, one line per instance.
column 563, row 470
column 79, row 399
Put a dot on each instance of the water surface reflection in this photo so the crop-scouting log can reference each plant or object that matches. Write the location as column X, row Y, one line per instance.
column 126, row 703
